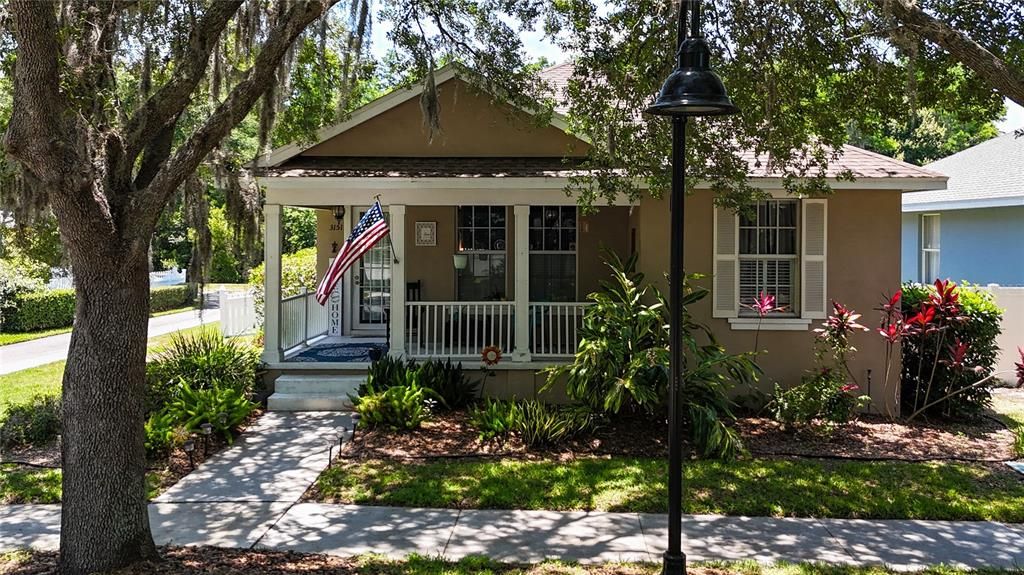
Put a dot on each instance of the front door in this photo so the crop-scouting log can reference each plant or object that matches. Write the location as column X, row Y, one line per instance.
column 371, row 289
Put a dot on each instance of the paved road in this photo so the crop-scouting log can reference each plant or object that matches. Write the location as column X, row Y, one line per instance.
column 19, row 356
column 247, row 497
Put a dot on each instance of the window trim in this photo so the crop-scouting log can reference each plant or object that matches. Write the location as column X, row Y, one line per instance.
column 575, row 253
column 470, row 253
column 923, row 251
column 742, row 312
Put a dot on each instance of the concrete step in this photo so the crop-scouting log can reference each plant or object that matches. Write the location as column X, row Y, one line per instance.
column 318, row 383
column 308, row 402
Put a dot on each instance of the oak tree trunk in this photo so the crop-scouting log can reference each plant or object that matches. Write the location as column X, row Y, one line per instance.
column 105, row 523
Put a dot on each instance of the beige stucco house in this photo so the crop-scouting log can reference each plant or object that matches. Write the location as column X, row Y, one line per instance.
column 489, row 250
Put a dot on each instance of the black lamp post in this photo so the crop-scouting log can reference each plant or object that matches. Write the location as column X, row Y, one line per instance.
column 691, row 90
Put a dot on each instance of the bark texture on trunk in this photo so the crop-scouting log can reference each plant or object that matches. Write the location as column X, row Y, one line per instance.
column 105, row 522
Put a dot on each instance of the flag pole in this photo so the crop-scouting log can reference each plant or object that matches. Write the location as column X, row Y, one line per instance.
column 391, row 244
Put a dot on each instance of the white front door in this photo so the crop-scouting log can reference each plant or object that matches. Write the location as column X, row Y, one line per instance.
column 371, row 285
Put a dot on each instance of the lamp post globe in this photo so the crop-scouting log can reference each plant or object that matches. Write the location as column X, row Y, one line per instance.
column 692, row 89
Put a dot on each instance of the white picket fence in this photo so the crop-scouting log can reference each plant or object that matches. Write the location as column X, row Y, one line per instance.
column 1011, row 299
column 237, row 313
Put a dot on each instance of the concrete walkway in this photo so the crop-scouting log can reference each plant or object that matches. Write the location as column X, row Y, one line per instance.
column 529, row 536
column 247, row 497
column 19, row 356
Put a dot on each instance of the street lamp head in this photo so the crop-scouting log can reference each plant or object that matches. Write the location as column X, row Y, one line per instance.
column 693, row 89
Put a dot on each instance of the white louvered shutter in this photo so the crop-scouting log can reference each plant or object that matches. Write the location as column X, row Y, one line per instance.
column 725, row 296
column 813, row 269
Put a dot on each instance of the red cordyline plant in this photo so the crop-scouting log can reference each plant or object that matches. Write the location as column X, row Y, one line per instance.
column 928, row 327
column 835, row 335
column 1020, row 368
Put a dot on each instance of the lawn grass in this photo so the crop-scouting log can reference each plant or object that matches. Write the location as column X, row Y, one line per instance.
column 9, row 338
column 758, row 487
column 188, row 560
column 28, row 485
column 20, row 386
column 1010, row 408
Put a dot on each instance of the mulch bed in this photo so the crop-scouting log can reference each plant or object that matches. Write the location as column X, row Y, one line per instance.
column 167, row 471
column 869, row 437
column 219, row 561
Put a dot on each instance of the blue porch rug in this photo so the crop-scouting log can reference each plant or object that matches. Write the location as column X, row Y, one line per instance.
column 338, row 352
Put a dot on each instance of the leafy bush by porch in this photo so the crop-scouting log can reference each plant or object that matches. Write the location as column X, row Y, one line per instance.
column 34, row 422
column 949, row 347
column 298, row 271
column 758, row 487
column 622, row 362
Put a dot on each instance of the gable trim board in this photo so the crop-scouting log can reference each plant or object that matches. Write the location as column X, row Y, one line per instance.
column 1004, row 202
column 377, row 107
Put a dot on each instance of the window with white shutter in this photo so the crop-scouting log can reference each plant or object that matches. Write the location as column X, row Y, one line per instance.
column 813, row 273
column 778, row 249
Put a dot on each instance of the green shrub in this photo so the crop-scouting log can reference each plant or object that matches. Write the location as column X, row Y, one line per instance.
column 298, row 271
column 621, row 363
column 399, row 407
column 495, row 419
column 824, row 397
column 35, row 422
column 453, row 388
column 544, row 425
column 14, row 281
column 47, row 309
column 168, row 298
column 966, row 314
column 204, row 359
column 536, row 423
column 449, row 382
column 190, row 406
column 163, row 434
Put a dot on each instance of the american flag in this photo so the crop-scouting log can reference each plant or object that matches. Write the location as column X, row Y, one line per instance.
column 370, row 229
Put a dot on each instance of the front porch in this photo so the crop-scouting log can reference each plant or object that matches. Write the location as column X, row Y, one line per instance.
column 431, row 276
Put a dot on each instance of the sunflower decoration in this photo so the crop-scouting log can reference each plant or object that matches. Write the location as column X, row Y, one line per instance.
column 491, row 355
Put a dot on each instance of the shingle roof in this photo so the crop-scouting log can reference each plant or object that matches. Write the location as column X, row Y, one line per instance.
column 990, row 173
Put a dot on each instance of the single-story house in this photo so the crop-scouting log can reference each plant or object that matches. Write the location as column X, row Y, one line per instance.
column 489, row 250
column 973, row 229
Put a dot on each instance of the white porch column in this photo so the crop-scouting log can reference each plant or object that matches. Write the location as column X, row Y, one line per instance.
column 272, row 283
column 522, row 291
column 397, row 226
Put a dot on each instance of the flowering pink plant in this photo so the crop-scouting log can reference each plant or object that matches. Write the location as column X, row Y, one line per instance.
column 840, row 323
column 894, row 331
column 764, row 304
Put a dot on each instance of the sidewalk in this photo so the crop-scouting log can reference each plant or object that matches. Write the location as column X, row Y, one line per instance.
column 530, row 536
column 19, row 356
column 247, row 497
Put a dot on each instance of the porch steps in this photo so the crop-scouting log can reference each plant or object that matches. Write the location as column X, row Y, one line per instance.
column 314, row 392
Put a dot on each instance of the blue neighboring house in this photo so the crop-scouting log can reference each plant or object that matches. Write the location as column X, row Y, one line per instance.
column 974, row 229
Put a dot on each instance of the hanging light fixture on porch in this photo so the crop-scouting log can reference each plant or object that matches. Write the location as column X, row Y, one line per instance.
column 339, row 213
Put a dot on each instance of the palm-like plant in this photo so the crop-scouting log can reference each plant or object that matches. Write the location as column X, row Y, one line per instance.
column 622, row 362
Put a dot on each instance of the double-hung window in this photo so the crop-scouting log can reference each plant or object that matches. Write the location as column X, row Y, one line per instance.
column 777, row 248
column 768, row 256
column 482, row 238
column 930, row 246
column 553, row 253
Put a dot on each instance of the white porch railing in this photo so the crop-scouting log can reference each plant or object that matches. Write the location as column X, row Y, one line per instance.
column 237, row 313
column 458, row 329
column 302, row 319
column 554, row 328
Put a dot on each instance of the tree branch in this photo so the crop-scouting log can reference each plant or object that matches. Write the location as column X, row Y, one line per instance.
column 172, row 98
column 232, row 111
column 1006, row 80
